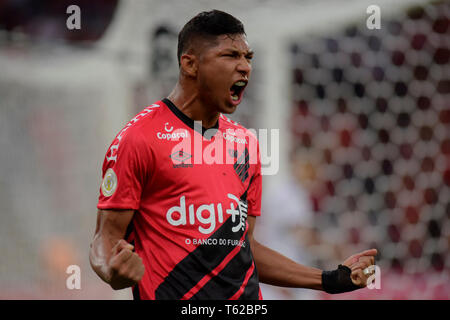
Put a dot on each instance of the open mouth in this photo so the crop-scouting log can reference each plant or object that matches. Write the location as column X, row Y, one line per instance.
column 237, row 90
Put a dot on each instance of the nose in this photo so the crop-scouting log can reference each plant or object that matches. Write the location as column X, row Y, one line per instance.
column 244, row 67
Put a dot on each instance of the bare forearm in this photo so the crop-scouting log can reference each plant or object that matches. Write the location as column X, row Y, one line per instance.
column 276, row 269
column 112, row 257
column 111, row 227
column 99, row 256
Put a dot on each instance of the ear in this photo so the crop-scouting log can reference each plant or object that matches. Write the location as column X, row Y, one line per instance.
column 189, row 64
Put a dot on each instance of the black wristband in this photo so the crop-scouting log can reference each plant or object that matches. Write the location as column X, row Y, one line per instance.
column 338, row 281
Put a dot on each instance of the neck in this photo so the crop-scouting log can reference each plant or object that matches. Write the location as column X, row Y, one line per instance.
column 188, row 102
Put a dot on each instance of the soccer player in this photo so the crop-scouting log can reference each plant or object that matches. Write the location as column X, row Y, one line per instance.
column 179, row 200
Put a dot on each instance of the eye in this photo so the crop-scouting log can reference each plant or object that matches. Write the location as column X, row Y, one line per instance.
column 233, row 55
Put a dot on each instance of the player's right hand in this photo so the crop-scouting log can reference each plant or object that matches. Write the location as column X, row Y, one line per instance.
column 126, row 267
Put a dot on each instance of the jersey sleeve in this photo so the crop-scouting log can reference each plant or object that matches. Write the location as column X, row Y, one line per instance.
column 255, row 188
column 125, row 172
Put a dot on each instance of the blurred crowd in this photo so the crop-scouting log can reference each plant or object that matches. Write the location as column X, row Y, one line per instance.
column 46, row 20
column 371, row 126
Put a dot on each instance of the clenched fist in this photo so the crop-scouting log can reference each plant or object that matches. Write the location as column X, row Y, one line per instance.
column 357, row 263
column 126, row 267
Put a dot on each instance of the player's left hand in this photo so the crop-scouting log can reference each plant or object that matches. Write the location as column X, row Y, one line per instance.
column 358, row 263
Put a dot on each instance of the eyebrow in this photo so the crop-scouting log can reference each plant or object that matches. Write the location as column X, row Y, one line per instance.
column 248, row 53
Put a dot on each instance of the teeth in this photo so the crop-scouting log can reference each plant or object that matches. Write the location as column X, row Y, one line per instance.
column 240, row 83
column 235, row 97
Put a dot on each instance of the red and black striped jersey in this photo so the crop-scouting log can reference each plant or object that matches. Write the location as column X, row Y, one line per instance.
column 192, row 190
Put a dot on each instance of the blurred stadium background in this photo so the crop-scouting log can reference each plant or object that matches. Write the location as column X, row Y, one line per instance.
column 364, row 119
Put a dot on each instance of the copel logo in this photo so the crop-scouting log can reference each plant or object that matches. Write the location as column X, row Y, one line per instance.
column 207, row 214
column 231, row 135
column 169, row 135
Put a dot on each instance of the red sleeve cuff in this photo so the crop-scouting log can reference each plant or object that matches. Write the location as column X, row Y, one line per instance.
column 118, row 205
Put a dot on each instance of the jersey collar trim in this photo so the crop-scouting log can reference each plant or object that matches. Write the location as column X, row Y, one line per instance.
column 189, row 122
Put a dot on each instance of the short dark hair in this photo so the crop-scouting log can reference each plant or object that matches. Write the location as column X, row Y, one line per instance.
column 207, row 24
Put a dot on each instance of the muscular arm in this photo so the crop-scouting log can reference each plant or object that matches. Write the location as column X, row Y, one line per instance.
column 110, row 256
column 276, row 269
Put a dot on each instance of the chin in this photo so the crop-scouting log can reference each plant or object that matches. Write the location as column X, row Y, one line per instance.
column 229, row 109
